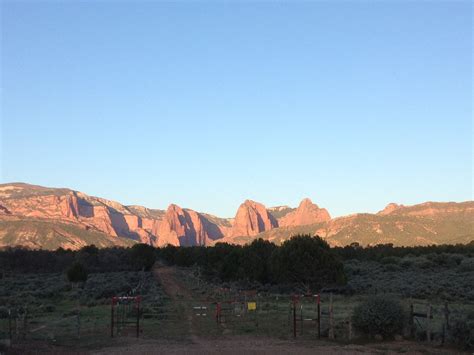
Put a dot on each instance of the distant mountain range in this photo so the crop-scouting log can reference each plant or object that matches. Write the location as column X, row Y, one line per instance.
column 47, row 218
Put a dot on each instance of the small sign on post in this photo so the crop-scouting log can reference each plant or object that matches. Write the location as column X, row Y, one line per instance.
column 200, row 311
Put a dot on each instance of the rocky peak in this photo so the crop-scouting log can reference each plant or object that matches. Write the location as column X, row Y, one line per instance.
column 389, row 209
column 186, row 227
column 175, row 217
column 306, row 213
column 307, row 204
column 251, row 219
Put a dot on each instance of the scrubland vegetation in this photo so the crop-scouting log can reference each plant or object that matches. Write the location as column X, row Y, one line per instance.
column 371, row 286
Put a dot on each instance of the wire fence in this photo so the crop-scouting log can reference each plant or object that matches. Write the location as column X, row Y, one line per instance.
column 304, row 316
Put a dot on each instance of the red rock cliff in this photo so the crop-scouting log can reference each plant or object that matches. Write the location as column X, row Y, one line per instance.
column 251, row 219
column 306, row 213
column 186, row 227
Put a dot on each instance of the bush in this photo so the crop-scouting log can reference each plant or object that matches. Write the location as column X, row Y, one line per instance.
column 407, row 262
column 255, row 260
column 49, row 308
column 390, row 260
column 3, row 312
column 77, row 273
column 106, row 285
column 392, row 267
column 379, row 315
column 142, row 256
column 467, row 265
column 308, row 261
column 462, row 334
column 423, row 263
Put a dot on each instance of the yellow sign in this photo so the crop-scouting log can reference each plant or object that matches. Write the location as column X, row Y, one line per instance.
column 252, row 306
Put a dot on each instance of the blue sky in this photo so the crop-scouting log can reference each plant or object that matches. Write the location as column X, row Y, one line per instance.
column 204, row 104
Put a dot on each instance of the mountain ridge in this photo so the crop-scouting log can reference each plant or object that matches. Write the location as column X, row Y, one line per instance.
column 36, row 216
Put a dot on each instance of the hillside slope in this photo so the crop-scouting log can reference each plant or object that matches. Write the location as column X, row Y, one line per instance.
column 92, row 218
column 43, row 234
column 423, row 224
column 42, row 217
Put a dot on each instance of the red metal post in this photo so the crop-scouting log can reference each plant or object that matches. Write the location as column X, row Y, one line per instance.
column 218, row 312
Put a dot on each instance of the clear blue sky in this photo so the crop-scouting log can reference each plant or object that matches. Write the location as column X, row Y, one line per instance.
column 204, row 104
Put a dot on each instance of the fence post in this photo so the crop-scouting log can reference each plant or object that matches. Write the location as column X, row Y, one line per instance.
column 331, row 318
column 446, row 315
column 17, row 326
column 257, row 310
column 25, row 323
column 112, row 316
column 443, row 334
column 218, row 312
column 428, row 323
column 446, row 323
column 138, row 316
column 411, row 322
column 10, row 325
column 350, row 329
column 301, row 319
column 319, row 316
column 294, row 317
column 78, row 324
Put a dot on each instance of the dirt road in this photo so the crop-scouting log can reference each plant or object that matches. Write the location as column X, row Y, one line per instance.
column 180, row 295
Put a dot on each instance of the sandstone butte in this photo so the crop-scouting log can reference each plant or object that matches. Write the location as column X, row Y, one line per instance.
column 175, row 226
column 185, row 227
column 306, row 213
column 251, row 219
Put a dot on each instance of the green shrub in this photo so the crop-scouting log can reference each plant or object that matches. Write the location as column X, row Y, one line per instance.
column 392, row 267
column 423, row 263
column 106, row 285
column 407, row 262
column 390, row 260
column 255, row 260
column 3, row 312
column 379, row 315
column 49, row 308
column 77, row 273
column 142, row 256
column 462, row 334
column 445, row 259
column 308, row 261
column 467, row 265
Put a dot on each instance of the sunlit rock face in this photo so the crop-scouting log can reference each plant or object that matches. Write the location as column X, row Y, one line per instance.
column 306, row 213
column 251, row 219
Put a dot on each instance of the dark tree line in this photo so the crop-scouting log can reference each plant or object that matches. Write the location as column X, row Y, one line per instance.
column 303, row 260
column 21, row 260
column 381, row 251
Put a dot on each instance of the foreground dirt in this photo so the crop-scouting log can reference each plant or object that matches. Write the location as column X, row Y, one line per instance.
column 244, row 345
